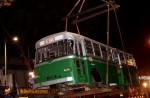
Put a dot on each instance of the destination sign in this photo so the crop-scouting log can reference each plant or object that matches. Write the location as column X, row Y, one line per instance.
column 50, row 40
column 46, row 41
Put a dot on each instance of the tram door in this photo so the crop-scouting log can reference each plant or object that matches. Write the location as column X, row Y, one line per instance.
column 80, row 62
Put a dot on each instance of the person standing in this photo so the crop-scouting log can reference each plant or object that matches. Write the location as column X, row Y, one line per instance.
column 31, row 81
column 7, row 93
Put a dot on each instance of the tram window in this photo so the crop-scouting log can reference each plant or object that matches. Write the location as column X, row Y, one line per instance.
column 116, row 59
column 65, row 46
column 121, row 56
column 128, row 56
column 61, row 49
column 55, row 50
column 43, row 57
column 52, row 55
column 89, row 50
column 76, row 49
column 38, row 58
column 57, row 53
column 70, row 46
column 60, row 43
column 88, row 43
column 47, row 54
column 55, row 45
column 96, row 49
column 50, row 46
column 88, row 46
column 110, row 55
column 103, row 48
column 80, row 49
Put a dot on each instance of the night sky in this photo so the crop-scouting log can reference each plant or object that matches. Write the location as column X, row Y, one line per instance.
column 34, row 19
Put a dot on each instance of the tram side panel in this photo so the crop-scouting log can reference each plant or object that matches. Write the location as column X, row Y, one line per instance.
column 127, row 72
column 134, row 75
column 55, row 71
column 97, row 72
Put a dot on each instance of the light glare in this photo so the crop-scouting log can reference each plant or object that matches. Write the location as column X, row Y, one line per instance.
column 145, row 84
column 15, row 38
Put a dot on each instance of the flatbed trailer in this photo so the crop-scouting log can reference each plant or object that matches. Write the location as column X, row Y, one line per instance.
column 108, row 93
column 136, row 92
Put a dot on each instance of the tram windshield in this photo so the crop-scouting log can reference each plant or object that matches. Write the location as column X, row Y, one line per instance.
column 54, row 50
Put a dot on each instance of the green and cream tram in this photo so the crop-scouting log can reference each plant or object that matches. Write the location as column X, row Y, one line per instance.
column 77, row 61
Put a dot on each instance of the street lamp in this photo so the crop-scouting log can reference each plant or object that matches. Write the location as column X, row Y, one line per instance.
column 15, row 39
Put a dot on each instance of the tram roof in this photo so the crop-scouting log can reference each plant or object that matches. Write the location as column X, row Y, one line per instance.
column 59, row 36
column 64, row 35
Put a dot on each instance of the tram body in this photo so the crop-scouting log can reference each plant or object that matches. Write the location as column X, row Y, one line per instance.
column 72, row 59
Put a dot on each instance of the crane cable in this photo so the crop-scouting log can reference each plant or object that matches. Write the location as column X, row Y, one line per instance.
column 66, row 24
column 119, row 30
column 78, row 16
